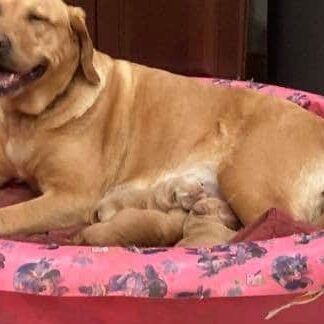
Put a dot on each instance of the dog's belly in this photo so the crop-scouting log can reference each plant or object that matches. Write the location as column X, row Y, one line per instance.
column 203, row 172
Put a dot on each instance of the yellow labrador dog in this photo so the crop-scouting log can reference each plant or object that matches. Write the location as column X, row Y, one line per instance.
column 79, row 126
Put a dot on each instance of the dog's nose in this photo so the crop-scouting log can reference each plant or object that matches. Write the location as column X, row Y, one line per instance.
column 5, row 45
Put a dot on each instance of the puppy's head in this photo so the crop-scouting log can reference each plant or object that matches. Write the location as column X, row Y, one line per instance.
column 42, row 43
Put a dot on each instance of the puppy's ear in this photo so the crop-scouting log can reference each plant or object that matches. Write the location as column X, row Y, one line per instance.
column 78, row 24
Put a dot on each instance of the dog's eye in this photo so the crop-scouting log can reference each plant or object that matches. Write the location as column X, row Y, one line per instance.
column 36, row 18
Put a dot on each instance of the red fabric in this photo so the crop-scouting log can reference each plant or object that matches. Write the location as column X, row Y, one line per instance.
column 271, row 225
column 14, row 193
column 21, row 309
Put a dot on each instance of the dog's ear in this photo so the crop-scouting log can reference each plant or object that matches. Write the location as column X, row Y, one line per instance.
column 78, row 24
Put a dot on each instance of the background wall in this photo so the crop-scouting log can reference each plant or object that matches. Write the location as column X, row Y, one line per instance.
column 257, row 40
column 192, row 37
column 296, row 44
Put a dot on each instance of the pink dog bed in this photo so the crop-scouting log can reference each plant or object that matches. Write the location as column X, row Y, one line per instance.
column 234, row 283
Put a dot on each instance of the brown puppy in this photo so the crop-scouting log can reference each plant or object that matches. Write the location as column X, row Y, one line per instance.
column 78, row 125
column 173, row 193
column 209, row 222
column 131, row 217
column 135, row 227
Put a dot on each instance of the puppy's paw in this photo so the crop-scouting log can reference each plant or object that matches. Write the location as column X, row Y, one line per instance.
column 105, row 214
column 217, row 208
column 208, row 206
column 185, row 194
column 77, row 240
column 106, row 210
column 94, row 235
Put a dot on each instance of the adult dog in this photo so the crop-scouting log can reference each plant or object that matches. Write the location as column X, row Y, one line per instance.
column 77, row 125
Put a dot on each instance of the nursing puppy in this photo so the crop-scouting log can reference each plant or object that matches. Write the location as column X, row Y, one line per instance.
column 209, row 221
column 162, row 216
column 79, row 125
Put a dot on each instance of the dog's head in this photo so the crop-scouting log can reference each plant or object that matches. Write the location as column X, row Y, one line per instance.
column 42, row 43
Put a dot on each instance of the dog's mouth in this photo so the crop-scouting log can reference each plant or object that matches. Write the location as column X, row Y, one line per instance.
column 11, row 81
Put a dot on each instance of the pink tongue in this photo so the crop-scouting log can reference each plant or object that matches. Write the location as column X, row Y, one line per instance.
column 8, row 79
